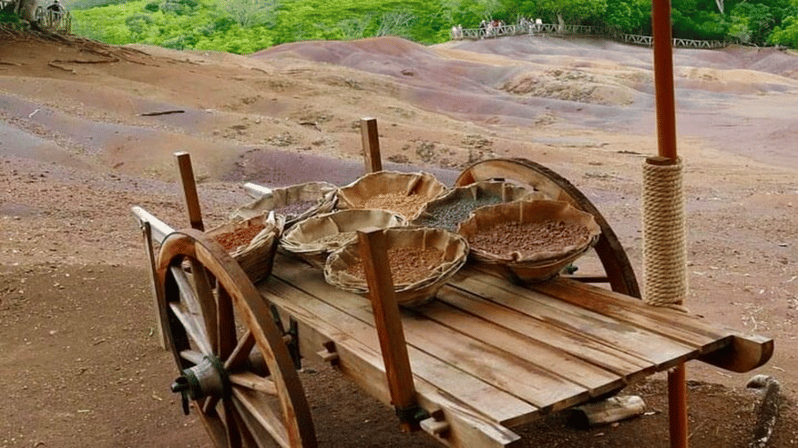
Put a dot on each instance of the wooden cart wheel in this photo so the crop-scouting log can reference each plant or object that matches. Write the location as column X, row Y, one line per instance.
column 235, row 368
column 618, row 269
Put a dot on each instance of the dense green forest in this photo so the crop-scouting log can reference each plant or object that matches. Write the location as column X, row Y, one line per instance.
column 245, row 26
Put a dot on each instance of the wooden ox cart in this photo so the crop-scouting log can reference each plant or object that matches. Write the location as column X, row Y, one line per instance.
column 485, row 356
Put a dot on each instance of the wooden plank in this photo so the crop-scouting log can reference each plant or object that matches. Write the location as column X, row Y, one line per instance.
column 359, row 359
column 157, row 294
column 371, row 144
column 341, row 328
column 605, row 331
column 743, row 354
column 189, row 190
column 557, row 362
column 387, row 320
column 576, row 344
column 500, row 368
column 675, row 324
column 158, row 227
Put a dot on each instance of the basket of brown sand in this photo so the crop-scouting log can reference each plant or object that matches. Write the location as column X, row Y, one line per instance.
column 252, row 243
column 529, row 241
column 313, row 239
column 401, row 193
column 294, row 203
column 456, row 205
column 421, row 260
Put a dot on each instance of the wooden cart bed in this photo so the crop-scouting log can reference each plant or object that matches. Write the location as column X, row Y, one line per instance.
column 483, row 357
column 492, row 355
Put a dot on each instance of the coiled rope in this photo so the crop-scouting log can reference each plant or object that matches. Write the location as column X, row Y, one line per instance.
column 664, row 241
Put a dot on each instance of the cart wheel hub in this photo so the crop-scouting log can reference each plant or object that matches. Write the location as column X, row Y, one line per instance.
column 206, row 379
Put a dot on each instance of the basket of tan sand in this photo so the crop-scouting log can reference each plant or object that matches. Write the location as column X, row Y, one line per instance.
column 421, row 260
column 251, row 242
column 529, row 241
column 456, row 205
column 313, row 239
column 294, row 203
column 401, row 193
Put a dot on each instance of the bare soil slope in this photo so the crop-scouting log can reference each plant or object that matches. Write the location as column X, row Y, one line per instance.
column 79, row 145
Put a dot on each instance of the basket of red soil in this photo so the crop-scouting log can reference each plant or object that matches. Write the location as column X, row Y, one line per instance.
column 401, row 193
column 456, row 205
column 529, row 241
column 316, row 237
column 252, row 243
column 294, row 203
column 421, row 259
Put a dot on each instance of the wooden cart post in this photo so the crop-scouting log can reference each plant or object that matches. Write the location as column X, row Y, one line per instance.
column 389, row 326
column 371, row 144
column 189, row 190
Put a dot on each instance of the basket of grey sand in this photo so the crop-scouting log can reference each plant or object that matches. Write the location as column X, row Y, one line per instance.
column 455, row 206
column 313, row 239
column 251, row 242
column 421, row 259
column 294, row 203
column 529, row 241
column 401, row 193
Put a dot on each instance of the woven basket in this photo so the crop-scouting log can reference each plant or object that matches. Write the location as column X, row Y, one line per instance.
column 319, row 197
column 256, row 257
column 456, row 205
column 453, row 247
column 536, row 266
column 416, row 188
column 316, row 237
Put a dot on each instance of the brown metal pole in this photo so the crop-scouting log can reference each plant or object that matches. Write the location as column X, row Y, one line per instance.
column 663, row 78
column 677, row 406
column 666, row 141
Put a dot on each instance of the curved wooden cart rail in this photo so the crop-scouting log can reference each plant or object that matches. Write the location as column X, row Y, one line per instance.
column 617, row 267
column 220, row 330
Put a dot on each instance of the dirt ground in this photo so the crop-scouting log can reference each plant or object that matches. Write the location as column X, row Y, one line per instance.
column 79, row 146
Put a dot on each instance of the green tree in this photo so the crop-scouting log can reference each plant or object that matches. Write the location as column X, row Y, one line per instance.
column 573, row 12
column 252, row 12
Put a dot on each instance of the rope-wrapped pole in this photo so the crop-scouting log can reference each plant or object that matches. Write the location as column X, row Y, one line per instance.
column 664, row 245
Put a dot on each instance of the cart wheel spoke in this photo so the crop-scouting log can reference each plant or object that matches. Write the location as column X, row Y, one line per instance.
column 226, row 326
column 191, row 327
column 192, row 356
column 255, row 382
column 215, row 427
column 248, row 438
column 187, row 294
column 207, row 301
column 210, row 404
column 241, row 352
column 259, row 416
column 230, row 424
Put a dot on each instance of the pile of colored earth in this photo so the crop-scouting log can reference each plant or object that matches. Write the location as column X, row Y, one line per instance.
column 238, row 237
column 408, row 264
column 451, row 213
column 338, row 238
column 296, row 208
column 530, row 238
column 407, row 205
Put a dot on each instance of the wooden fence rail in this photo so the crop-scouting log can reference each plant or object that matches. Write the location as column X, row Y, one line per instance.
column 529, row 28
